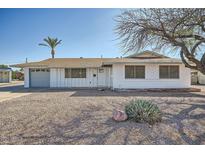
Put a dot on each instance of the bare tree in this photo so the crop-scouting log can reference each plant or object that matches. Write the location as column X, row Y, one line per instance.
column 181, row 30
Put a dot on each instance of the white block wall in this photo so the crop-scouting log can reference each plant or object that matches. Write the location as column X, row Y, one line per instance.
column 151, row 78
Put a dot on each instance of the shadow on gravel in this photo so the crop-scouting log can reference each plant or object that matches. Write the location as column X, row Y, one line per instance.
column 94, row 93
column 83, row 129
column 106, row 92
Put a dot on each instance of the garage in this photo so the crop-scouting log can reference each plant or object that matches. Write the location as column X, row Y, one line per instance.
column 39, row 77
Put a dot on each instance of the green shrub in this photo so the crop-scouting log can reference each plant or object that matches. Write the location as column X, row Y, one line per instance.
column 143, row 111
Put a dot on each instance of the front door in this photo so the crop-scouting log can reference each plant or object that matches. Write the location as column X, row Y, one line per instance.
column 93, row 78
column 104, row 77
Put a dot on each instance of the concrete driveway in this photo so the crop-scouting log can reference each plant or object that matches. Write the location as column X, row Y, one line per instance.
column 12, row 90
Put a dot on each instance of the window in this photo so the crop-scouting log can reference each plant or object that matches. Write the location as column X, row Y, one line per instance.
column 168, row 72
column 78, row 73
column 134, row 72
column 40, row 70
column 75, row 73
column 101, row 70
column 67, row 73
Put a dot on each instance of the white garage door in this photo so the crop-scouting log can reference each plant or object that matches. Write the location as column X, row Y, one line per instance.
column 39, row 77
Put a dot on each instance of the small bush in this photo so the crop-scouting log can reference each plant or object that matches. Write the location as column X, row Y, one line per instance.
column 143, row 111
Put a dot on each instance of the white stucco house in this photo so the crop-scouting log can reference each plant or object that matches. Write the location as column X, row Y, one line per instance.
column 138, row 71
column 5, row 75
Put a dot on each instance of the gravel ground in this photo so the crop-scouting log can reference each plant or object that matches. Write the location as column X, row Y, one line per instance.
column 84, row 117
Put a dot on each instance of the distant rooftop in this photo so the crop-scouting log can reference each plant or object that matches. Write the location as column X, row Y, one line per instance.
column 5, row 69
column 146, row 55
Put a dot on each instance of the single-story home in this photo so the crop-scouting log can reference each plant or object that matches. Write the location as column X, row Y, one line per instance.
column 5, row 75
column 144, row 70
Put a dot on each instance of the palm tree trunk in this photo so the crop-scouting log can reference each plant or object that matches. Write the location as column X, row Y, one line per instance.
column 52, row 53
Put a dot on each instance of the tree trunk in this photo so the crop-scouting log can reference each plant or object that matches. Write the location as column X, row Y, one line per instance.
column 52, row 53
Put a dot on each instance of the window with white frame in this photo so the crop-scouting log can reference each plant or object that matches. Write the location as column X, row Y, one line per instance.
column 169, row 72
column 75, row 72
column 134, row 72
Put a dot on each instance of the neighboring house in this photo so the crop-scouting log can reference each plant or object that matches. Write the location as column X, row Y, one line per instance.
column 5, row 75
column 197, row 77
column 201, row 78
column 145, row 70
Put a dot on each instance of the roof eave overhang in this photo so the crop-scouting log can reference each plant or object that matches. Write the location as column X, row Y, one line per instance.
column 23, row 66
column 143, row 63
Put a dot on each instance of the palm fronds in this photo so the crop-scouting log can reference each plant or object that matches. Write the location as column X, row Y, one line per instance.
column 51, row 43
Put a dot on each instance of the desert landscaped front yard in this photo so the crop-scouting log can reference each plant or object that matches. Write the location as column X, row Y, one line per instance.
column 84, row 117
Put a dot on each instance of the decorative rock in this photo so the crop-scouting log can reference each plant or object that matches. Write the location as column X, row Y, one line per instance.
column 119, row 115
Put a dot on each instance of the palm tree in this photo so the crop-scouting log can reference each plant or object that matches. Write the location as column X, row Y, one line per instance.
column 51, row 43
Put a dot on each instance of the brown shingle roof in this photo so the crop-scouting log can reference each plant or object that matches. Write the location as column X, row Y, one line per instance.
column 94, row 62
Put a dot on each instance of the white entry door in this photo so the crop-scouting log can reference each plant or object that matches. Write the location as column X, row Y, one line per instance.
column 93, row 77
column 104, row 77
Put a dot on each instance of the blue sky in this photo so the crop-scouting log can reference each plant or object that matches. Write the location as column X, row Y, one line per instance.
column 84, row 32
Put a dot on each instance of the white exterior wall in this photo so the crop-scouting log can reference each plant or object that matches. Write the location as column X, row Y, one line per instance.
column 57, row 79
column 26, row 77
column 151, row 78
column 117, row 78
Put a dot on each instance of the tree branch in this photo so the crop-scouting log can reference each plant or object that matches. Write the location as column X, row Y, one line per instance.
column 193, row 50
column 203, row 60
column 185, row 62
column 182, row 29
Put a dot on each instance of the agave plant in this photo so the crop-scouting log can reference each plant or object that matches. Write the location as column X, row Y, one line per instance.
column 143, row 111
column 51, row 43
